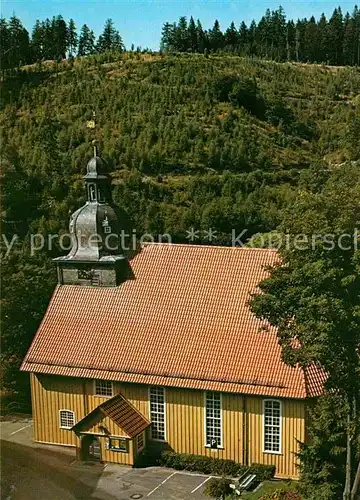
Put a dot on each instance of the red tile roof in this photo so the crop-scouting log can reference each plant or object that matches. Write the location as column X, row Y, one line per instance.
column 184, row 321
column 122, row 412
column 315, row 379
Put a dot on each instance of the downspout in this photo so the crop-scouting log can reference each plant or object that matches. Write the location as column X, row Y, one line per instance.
column 245, row 457
column 86, row 409
column 80, row 451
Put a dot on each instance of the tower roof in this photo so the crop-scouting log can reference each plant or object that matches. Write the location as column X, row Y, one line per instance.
column 95, row 227
column 96, row 169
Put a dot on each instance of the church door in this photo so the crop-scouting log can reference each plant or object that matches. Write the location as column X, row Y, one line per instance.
column 95, row 449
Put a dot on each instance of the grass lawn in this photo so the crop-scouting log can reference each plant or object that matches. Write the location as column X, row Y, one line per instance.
column 269, row 487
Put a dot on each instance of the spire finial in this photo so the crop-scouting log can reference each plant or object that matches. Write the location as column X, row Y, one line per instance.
column 92, row 124
column 94, row 143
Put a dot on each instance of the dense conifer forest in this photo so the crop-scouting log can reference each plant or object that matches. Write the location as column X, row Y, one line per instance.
column 334, row 40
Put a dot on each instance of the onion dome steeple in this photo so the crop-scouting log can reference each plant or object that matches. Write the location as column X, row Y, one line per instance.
column 96, row 179
column 95, row 234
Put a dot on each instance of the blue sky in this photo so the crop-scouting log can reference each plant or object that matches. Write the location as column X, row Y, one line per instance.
column 140, row 21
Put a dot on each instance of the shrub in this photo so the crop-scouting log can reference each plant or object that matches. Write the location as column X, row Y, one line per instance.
column 217, row 488
column 150, row 456
column 146, row 458
column 263, row 472
column 199, row 463
column 240, row 92
column 282, row 495
column 215, row 466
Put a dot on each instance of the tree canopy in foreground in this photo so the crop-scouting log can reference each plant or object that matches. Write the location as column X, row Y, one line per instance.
column 313, row 298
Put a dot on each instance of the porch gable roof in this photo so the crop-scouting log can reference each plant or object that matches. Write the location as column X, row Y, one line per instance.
column 120, row 411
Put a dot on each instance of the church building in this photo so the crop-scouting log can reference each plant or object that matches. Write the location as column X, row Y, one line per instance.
column 162, row 348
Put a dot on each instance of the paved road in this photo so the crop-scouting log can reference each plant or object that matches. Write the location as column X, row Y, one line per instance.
column 32, row 471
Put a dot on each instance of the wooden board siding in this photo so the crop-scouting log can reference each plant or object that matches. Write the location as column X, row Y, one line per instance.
column 95, row 428
column 293, row 429
column 185, row 423
column 50, row 395
column 118, row 457
column 185, row 416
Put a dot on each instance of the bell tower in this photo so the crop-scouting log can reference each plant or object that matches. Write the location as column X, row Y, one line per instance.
column 96, row 257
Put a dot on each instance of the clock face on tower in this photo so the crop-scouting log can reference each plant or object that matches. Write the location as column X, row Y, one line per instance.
column 85, row 274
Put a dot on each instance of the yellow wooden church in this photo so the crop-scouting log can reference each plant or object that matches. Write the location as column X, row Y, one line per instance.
column 162, row 348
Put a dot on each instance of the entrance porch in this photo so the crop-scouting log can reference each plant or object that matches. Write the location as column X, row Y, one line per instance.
column 113, row 432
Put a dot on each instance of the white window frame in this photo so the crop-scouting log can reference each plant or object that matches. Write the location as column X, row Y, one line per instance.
column 103, row 382
column 165, row 430
column 272, row 452
column 142, row 437
column 73, row 415
column 220, row 445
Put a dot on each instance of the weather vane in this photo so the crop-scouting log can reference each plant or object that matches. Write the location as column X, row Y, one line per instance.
column 92, row 125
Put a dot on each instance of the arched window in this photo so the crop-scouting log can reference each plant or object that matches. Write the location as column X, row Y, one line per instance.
column 67, row 419
column 92, row 192
column 101, row 196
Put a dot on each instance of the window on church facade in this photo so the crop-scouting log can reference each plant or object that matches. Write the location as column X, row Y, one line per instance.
column 67, row 419
column 118, row 444
column 272, row 426
column 92, row 192
column 157, row 413
column 213, row 421
column 103, row 388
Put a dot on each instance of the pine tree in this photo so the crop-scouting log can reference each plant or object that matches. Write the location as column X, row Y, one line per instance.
column 253, row 38
column 193, row 36
column 244, row 38
column 37, row 41
column 216, row 37
column 356, row 17
column 4, row 44
column 48, row 38
column 59, row 37
column 181, row 35
column 278, row 30
column 290, row 41
column 349, row 40
column 19, row 43
column 86, row 45
column 72, row 37
column 231, row 37
column 110, row 39
column 167, row 43
column 335, row 36
column 323, row 50
column 299, row 51
column 201, row 37
column 264, row 35
column 311, row 40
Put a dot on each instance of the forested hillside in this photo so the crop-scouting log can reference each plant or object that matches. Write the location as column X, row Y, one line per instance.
column 198, row 141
